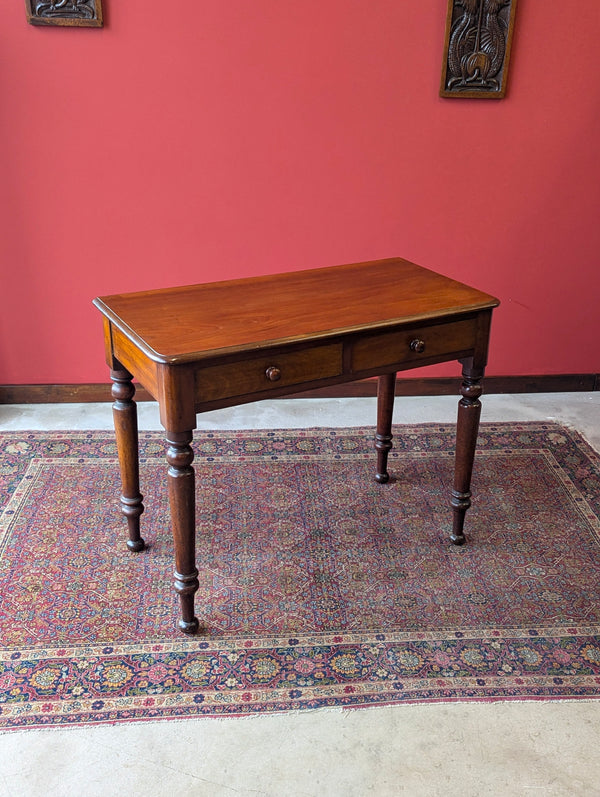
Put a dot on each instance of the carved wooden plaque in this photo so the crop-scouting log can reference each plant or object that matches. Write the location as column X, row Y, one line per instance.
column 477, row 48
column 79, row 13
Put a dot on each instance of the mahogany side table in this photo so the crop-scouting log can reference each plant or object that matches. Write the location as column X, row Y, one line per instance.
column 203, row 347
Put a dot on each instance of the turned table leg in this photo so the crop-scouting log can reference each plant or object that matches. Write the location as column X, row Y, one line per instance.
column 126, row 432
column 183, row 521
column 469, row 411
column 383, row 438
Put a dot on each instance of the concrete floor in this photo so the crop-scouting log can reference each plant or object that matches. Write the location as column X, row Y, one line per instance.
column 445, row 749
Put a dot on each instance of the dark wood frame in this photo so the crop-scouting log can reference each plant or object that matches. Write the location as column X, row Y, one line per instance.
column 477, row 49
column 34, row 9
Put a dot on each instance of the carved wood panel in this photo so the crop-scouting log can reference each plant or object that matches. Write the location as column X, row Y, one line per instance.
column 477, row 48
column 80, row 13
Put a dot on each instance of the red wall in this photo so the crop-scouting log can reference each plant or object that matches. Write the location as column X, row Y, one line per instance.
column 221, row 139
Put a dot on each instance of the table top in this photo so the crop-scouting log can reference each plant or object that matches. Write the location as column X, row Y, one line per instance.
column 174, row 325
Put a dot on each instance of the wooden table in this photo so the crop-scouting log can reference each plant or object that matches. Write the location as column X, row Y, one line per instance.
column 203, row 347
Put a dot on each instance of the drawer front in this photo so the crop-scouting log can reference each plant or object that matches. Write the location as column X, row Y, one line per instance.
column 268, row 372
column 409, row 346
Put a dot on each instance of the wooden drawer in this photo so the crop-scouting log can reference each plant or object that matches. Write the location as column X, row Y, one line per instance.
column 244, row 377
column 409, row 346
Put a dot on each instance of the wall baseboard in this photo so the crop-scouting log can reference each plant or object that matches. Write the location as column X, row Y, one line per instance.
column 434, row 386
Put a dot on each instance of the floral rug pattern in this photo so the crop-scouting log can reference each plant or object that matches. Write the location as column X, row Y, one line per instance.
column 318, row 586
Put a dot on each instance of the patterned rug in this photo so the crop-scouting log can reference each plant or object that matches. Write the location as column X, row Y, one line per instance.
column 318, row 586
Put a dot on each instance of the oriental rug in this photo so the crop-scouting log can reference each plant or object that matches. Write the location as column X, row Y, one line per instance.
column 318, row 586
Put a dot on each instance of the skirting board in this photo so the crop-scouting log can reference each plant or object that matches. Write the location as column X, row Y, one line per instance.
column 435, row 386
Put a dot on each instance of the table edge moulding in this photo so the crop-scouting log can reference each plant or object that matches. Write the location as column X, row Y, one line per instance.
column 203, row 347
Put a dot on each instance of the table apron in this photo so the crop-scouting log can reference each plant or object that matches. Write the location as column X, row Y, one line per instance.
column 285, row 370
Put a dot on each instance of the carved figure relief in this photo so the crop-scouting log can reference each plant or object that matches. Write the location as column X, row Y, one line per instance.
column 65, row 12
column 477, row 49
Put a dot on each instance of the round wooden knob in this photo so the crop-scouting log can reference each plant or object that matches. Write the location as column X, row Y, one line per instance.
column 273, row 373
column 417, row 345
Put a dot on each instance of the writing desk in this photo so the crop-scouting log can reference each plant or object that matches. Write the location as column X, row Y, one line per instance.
column 203, row 347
